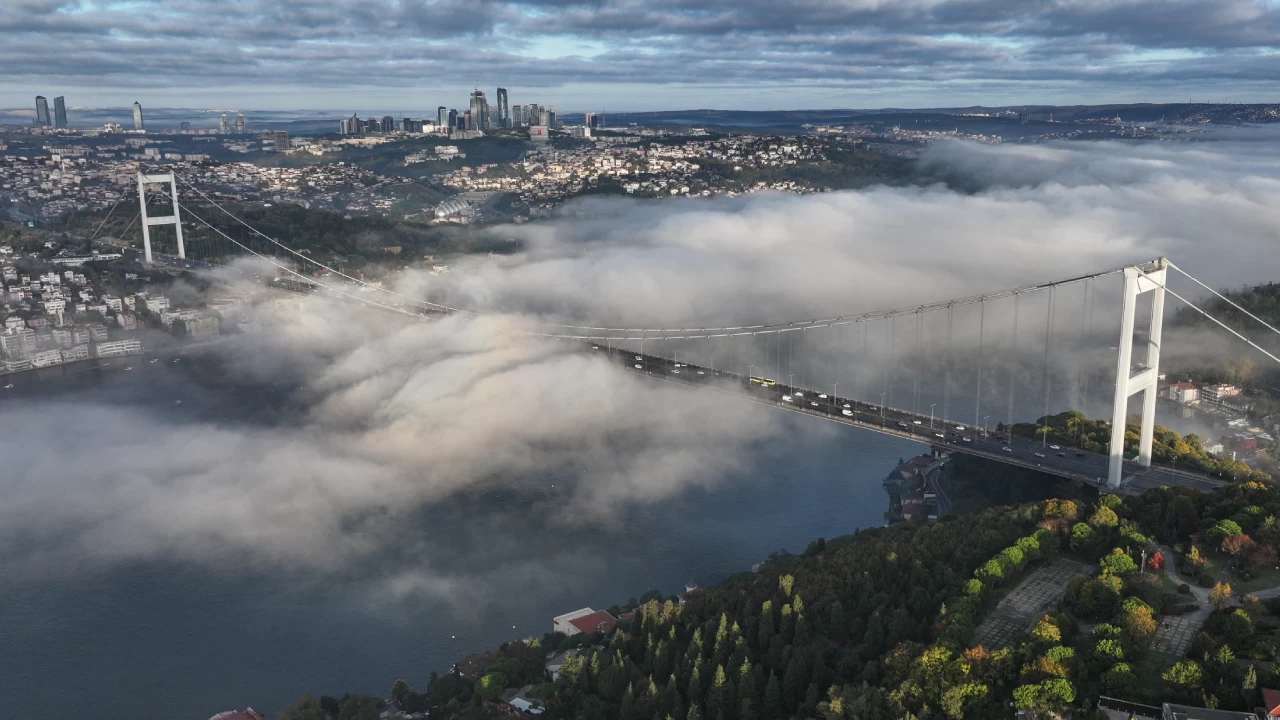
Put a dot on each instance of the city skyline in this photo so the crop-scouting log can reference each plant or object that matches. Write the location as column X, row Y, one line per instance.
column 622, row 56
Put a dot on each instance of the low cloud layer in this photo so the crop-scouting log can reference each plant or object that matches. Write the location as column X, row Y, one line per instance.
column 399, row 416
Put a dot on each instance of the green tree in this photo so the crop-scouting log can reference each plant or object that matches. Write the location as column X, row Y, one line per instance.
column 1082, row 537
column 307, row 708
column 1049, row 696
column 1119, row 679
column 1117, row 562
column 490, row 686
column 399, row 691
column 772, row 697
column 1104, row 517
column 1046, row 632
column 1184, row 678
column 1222, row 530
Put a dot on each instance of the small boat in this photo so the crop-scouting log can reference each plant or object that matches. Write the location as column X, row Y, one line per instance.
column 130, row 367
column 177, row 402
column 10, row 385
column 154, row 360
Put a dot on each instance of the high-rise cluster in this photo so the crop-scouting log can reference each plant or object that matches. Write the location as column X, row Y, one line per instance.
column 478, row 115
column 224, row 124
column 59, row 117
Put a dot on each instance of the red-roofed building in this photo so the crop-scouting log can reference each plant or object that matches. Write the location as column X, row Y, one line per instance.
column 585, row 620
column 1271, row 703
column 597, row 622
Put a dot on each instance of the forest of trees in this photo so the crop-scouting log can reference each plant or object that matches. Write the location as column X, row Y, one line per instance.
column 880, row 625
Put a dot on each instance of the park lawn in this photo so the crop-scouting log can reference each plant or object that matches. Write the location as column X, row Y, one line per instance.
column 1266, row 578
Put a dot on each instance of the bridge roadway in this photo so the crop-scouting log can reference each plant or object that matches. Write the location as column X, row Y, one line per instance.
column 1066, row 462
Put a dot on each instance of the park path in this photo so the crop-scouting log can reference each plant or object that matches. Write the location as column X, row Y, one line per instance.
column 1175, row 633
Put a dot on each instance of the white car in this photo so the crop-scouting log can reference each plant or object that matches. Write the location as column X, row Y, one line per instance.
column 799, row 394
column 595, row 347
column 1039, row 455
column 847, row 412
column 701, row 373
column 959, row 428
column 1007, row 449
column 814, row 404
column 944, row 437
column 639, row 358
column 1054, row 447
column 916, row 422
column 966, row 439
column 786, row 398
column 822, row 395
column 677, row 372
column 847, row 405
column 639, row 366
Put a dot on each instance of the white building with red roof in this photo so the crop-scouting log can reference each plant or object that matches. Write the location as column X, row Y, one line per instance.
column 585, row 620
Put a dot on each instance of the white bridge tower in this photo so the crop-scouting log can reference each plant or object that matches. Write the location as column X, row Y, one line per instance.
column 175, row 220
column 1137, row 280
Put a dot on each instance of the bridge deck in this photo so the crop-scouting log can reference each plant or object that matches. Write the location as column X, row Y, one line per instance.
column 1070, row 463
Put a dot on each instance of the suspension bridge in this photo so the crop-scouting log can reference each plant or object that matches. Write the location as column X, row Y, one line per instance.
column 994, row 348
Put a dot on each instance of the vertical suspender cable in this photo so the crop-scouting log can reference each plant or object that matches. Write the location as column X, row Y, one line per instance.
column 1013, row 369
column 946, row 373
column 1048, row 339
column 915, row 404
column 977, row 402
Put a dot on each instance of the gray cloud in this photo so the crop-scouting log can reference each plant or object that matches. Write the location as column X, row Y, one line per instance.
column 998, row 47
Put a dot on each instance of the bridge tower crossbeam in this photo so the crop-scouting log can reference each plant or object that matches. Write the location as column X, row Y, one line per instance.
column 147, row 221
column 1137, row 281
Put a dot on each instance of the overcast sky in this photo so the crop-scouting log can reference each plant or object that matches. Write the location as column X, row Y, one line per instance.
column 637, row 54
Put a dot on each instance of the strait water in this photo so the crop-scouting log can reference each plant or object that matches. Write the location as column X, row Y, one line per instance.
column 160, row 640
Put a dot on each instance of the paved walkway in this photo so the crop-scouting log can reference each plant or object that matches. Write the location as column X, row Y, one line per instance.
column 1175, row 633
column 1021, row 608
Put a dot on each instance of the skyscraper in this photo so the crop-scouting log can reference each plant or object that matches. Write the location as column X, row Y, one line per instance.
column 224, row 125
column 185, row 127
column 281, row 141
column 551, row 116
column 239, row 124
column 468, row 119
column 42, row 111
column 479, row 111
column 137, row 116
column 504, row 111
column 59, row 112
column 442, row 116
column 516, row 118
column 453, row 119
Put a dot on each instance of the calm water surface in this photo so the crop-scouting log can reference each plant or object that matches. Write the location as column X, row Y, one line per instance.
column 159, row 640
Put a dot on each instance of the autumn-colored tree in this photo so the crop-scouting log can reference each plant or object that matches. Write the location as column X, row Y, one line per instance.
column 1156, row 561
column 1237, row 545
column 1263, row 556
column 1220, row 595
